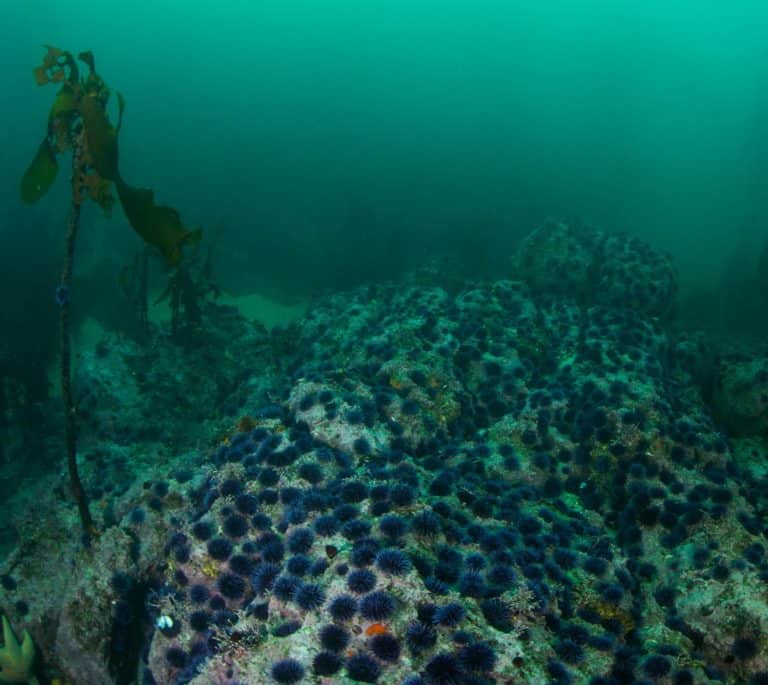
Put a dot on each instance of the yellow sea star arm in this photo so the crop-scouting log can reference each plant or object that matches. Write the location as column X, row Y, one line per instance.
column 16, row 659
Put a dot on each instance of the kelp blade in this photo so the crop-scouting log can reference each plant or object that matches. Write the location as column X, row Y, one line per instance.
column 40, row 174
column 158, row 225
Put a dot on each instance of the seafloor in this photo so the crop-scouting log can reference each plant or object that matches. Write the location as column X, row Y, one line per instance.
column 533, row 480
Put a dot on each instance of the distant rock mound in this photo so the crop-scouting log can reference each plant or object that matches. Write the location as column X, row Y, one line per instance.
column 559, row 260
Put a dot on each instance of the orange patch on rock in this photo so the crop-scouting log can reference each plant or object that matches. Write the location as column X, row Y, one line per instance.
column 376, row 629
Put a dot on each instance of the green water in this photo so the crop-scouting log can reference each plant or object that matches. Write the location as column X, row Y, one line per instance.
column 328, row 143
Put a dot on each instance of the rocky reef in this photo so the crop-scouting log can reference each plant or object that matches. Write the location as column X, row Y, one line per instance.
column 531, row 480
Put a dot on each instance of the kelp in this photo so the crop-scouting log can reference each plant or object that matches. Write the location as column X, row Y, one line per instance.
column 187, row 288
column 40, row 175
column 78, row 120
column 157, row 224
column 133, row 281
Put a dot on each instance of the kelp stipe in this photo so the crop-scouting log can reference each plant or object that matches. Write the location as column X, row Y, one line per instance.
column 78, row 122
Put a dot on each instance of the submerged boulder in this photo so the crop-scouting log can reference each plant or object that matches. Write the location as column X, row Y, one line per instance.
column 593, row 267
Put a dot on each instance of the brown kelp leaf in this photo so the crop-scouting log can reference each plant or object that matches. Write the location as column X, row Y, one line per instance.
column 101, row 137
column 65, row 103
column 52, row 55
column 40, row 174
column 41, row 76
column 98, row 169
column 90, row 184
column 50, row 61
column 55, row 61
column 158, row 225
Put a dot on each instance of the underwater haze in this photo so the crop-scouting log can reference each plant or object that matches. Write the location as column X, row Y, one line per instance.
column 289, row 123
